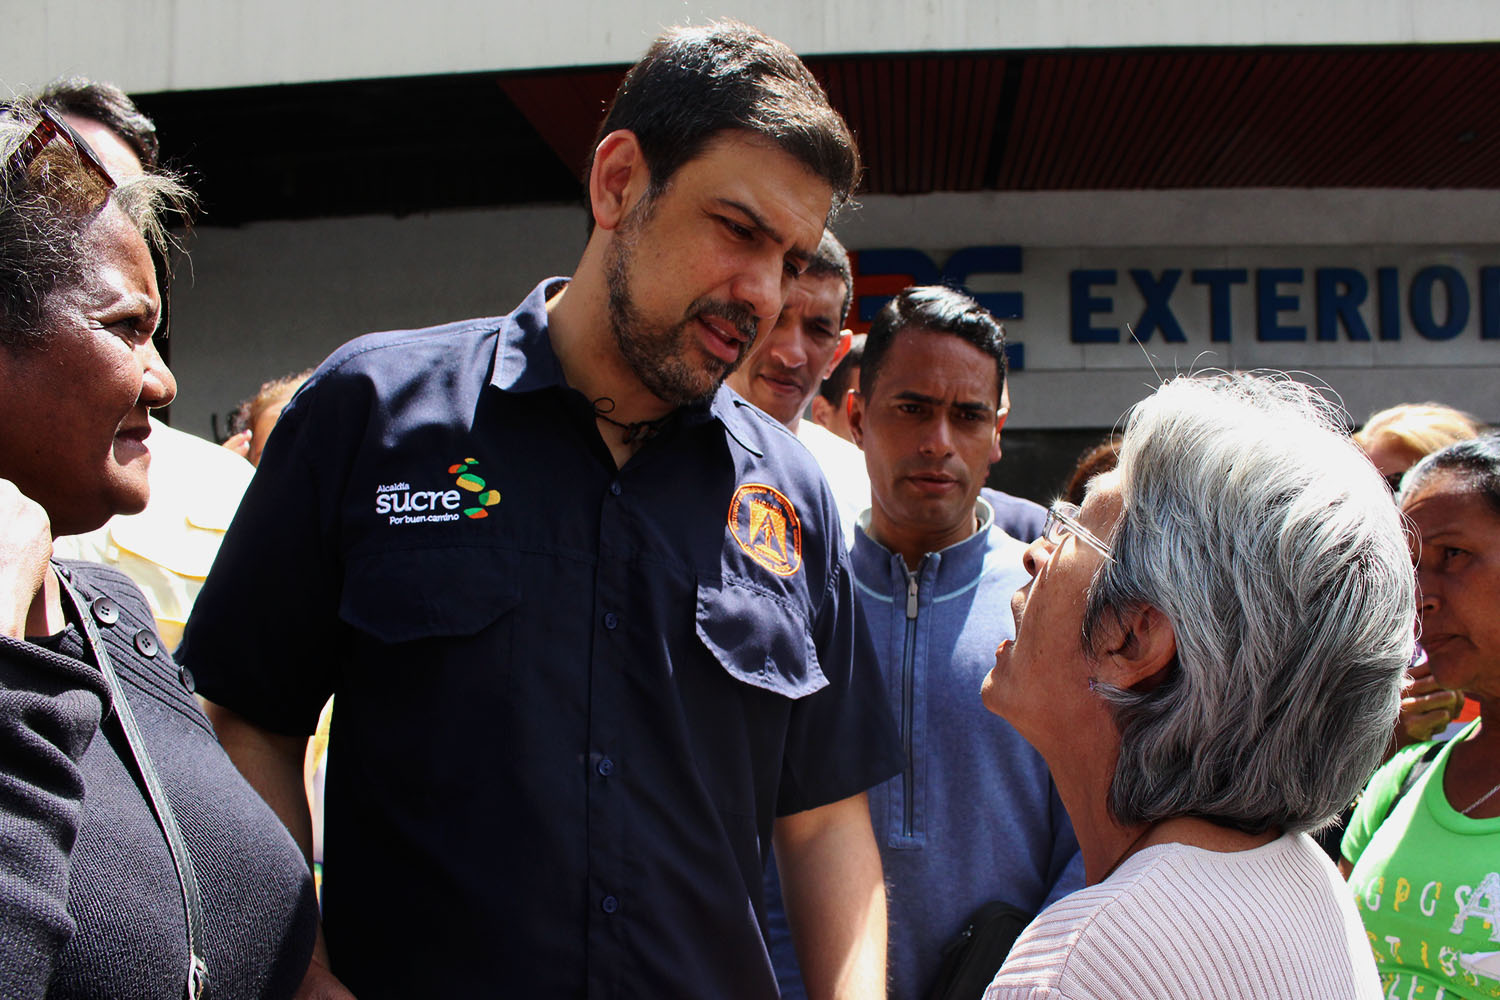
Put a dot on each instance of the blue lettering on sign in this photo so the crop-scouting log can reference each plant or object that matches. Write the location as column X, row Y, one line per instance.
column 1489, row 303
column 913, row 265
column 987, row 260
column 1390, row 305
column 1218, row 280
column 1157, row 315
column 1270, row 303
column 919, row 269
column 1341, row 291
column 1419, row 302
column 1083, row 304
column 1340, row 296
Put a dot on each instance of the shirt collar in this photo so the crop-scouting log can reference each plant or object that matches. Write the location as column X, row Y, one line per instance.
column 525, row 362
column 732, row 411
column 865, row 543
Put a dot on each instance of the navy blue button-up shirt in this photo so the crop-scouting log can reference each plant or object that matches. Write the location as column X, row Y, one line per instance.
column 571, row 698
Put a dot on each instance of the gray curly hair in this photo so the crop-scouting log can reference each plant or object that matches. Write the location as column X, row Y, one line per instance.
column 1253, row 522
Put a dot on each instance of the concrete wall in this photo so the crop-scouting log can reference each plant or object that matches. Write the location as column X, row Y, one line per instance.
column 274, row 297
column 263, row 300
column 154, row 45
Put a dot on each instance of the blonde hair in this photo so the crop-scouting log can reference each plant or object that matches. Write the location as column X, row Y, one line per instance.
column 1423, row 427
column 277, row 390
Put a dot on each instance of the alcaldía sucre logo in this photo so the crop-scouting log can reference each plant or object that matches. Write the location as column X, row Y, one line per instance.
column 765, row 524
column 404, row 505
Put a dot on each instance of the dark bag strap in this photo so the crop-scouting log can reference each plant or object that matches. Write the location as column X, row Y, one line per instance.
column 1413, row 775
column 972, row 958
column 196, row 983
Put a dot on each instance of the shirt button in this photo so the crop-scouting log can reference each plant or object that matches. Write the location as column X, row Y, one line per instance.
column 611, row 619
column 609, row 904
column 146, row 643
column 105, row 611
column 606, row 766
column 614, row 488
column 186, row 676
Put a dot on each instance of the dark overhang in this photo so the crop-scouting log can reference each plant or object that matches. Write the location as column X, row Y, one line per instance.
column 1385, row 117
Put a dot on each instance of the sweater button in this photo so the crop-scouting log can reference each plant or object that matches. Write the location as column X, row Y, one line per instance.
column 105, row 611
column 186, row 676
column 146, row 643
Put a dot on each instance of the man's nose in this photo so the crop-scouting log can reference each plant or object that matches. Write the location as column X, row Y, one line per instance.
column 759, row 287
column 789, row 347
column 937, row 438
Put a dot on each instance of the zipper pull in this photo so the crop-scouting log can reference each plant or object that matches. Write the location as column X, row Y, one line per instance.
column 911, row 595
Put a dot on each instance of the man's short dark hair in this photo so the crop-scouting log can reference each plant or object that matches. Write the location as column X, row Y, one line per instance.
column 694, row 83
column 109, row 106
column 836, row 386
column 832, row 260
column 934, row 309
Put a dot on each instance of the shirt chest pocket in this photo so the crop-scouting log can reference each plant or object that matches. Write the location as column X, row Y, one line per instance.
column 429, row 651
column 759, row 637
column 429, row 594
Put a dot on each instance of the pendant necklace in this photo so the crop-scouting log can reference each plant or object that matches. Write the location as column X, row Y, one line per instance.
column 639, row 430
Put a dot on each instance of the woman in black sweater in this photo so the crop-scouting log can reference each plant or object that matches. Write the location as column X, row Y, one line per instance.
column 135, row 862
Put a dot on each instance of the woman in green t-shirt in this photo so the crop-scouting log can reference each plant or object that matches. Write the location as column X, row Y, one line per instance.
column 1422, row 852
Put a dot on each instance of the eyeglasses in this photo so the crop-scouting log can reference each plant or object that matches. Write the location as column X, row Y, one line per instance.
column 1062, row 520
column 46, row 159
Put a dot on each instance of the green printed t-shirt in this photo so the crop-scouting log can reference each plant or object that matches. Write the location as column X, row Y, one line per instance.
column 1426, row 881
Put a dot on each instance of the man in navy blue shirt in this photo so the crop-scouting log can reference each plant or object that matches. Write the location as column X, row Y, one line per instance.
column 585, row 611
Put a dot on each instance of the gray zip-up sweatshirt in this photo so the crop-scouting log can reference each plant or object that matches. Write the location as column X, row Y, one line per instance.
column 975, row 816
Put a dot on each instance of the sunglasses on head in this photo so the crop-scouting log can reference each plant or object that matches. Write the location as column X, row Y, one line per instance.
column 50, row 157
column 43, row 158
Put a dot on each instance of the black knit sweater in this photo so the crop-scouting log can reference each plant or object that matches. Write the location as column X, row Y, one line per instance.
column 90, row 904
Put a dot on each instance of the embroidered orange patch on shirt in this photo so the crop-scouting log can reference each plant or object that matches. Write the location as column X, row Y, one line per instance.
column 765, row 524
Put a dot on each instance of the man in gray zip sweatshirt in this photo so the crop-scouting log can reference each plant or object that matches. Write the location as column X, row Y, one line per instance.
column 975, row 816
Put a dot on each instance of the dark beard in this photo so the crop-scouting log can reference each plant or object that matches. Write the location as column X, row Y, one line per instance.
column 659, row 357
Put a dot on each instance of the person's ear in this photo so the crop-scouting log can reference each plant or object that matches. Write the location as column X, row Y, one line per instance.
column 846, row 340
column 1140, row 647
column 822, row 411
column 1000, row 416
column 856, row 404
column 618, row 179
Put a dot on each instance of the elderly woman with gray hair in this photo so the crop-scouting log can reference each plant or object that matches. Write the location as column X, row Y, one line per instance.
column 1209, row 656
column 135, row 861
